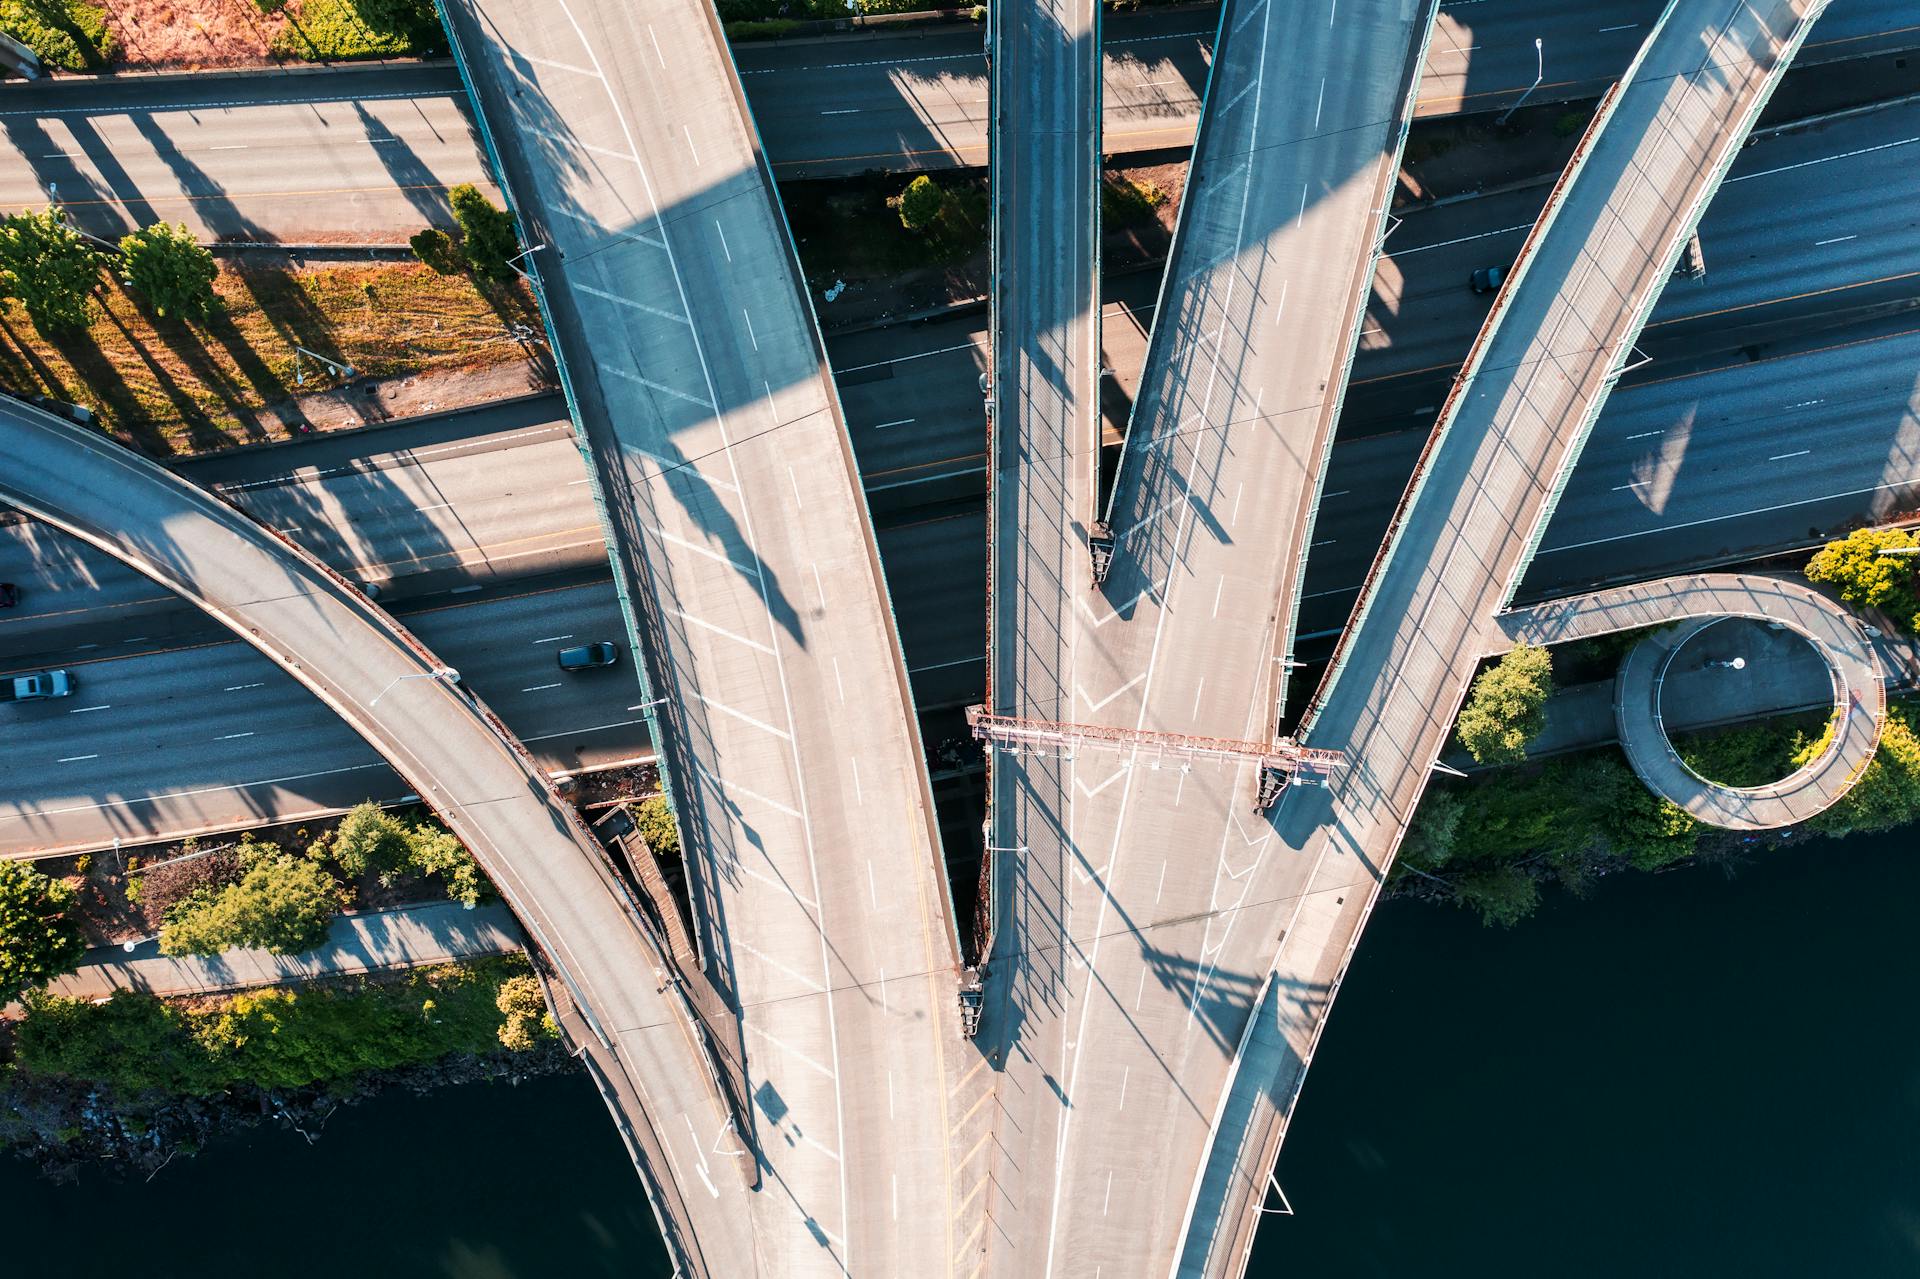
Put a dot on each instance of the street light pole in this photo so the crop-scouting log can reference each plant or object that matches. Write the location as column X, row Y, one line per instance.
column 535, row 248
column 1539, row 74
column 438, row 672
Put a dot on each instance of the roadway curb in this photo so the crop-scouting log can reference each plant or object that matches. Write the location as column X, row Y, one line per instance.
column 216, row 74
column 1830, row 117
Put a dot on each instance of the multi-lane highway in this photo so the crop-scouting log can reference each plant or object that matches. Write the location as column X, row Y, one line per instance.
column 381, row 145
column 645, row 1051
column 753, row 588
column 1563, row 327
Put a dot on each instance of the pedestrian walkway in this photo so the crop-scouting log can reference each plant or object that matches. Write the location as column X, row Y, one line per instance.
column 1695, row 602
column 406, row 937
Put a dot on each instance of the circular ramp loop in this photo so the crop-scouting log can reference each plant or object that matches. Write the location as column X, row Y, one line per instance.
column 1683, row 607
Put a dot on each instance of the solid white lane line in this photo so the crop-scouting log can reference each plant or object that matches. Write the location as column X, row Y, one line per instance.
column 1825, row 159
column 104, row 706
column 227, row 737
column 1627, row 27
column 905, row 421
column 538, row 688
column 751, row 337
column 742, row 716
column 1838, row 239
column 690, row 147
column 721, row 232
column 1465, row 239
column 902, row 359
column 1637, row 484
column 859, row 797
column 74, row 759
column 552, row 639
column 1781, row 457
column 843, row 111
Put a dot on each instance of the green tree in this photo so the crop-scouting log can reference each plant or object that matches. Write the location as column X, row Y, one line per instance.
column 1508, row 706
column 486, row 231
column 39, row 929
column 171, row 269
column 437, row 249
column 524, row 1008
column 1435, row 830
column 281, row 904
column 49, row 267
column 1503, row 895
column 921, row 204
column 368, row 841
column 1888, row 792
column 372, row 841
column 435, row 850
column 71, row 34
column 1864, row 578
column 657, row 827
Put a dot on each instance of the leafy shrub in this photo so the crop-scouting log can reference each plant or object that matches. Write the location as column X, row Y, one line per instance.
column 1888, row 793
column 525, row 1009
column 371, row 841
column 1124, row 202
column 339, row 30
column 921, row 204
column 1568, row 123
column 282, row 904
column 273, row 1038
column 69, row 34
column 657, row 827
column 437, row 249
column 487, row 237
column 39, row 929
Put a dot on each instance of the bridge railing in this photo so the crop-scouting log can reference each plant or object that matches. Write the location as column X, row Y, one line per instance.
column 1463, row 383
column 1649, row 295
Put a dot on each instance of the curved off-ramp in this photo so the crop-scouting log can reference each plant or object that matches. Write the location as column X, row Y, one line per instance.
column 641, row 1045
column 1695, row 602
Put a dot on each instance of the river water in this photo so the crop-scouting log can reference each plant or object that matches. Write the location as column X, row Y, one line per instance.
column 1685, row 1074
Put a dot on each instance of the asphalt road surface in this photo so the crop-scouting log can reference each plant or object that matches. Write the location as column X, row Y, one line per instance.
column 380, row 145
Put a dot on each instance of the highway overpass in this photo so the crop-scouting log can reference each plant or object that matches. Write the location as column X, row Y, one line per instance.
column 753, row 589
column 207, row 149
column 1560, row 333
column 647, row 1055
column 1099, row 1033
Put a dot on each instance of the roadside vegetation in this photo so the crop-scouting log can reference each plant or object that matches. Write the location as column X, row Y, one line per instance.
column 487, row 243
column 177, row 352
column 343, row 30
column 40, row 935
column 72, row 35
column 657, row 827
column 1492, row 842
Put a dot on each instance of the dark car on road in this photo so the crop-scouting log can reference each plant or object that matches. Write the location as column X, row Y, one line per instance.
column 1487, row 278
column 585, row 657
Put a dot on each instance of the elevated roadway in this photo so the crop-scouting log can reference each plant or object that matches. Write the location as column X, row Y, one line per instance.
column 645, row 1051
column 750, row 579
column 1104, row 1037
column 1560, row 333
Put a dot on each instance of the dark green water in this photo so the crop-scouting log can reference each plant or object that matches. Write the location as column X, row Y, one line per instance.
column 1684, row 1075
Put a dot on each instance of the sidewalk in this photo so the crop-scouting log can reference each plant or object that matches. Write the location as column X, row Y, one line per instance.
column 402, row 938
